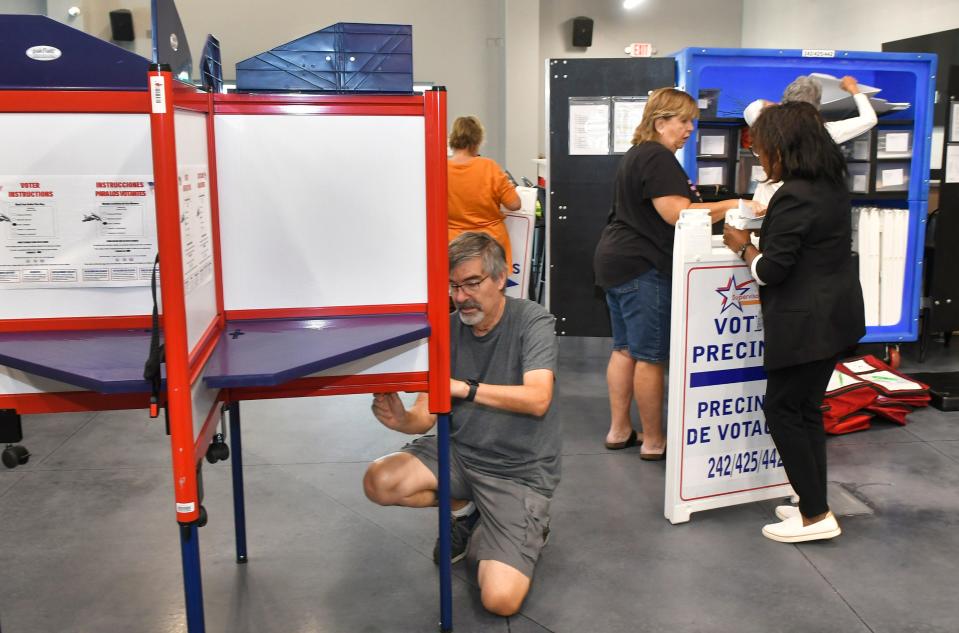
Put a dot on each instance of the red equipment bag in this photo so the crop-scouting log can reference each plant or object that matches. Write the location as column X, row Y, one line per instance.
column 896, row 394
column 846, row 397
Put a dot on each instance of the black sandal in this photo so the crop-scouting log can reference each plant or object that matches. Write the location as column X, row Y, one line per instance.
column 629, row 441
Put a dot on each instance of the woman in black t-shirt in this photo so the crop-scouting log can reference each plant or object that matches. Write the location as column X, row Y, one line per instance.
column 633, row 262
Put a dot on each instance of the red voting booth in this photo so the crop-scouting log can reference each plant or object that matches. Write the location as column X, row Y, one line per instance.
column 259, row 202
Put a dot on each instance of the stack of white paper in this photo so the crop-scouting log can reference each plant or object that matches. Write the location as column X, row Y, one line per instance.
column 868, row 246
column 836, row 103
column 832, row 92
column 695, row 240
column 855, row 230
column 880, row 238
column 895, row 228
column 744, row 218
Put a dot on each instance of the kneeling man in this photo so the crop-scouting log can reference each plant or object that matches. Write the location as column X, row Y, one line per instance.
column 505, row 440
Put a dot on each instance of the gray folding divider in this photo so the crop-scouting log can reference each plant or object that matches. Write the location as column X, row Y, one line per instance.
column 580, row 186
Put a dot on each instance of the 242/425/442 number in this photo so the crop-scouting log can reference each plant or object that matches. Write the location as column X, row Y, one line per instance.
column 743, row 463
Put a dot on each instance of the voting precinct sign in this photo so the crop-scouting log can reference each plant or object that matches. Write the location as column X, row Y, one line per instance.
column 720, row 452
column 520, row 225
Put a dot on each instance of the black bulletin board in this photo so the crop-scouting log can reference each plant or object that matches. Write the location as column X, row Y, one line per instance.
column 581, row 187
column 945, row 44
column 942, row 273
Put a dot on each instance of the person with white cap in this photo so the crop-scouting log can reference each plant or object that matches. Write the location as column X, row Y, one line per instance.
column 809, row 90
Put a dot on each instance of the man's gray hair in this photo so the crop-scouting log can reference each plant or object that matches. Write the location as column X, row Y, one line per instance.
column 474, row 244
column 804, row 89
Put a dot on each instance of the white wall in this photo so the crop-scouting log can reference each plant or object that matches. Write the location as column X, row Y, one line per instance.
column 842, row 24
column 669, row 25
column 26, row 7
column 456, row 43
column 523, row 87
column 96, row 20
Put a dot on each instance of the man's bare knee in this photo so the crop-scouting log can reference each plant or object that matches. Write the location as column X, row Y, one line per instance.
column 380, row 484
column 502, row 587
column 400, row 479
column 502, row 601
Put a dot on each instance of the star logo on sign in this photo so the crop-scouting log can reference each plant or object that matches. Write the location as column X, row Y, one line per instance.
column 732, row 293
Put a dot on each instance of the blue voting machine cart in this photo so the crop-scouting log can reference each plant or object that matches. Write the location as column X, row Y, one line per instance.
column 891, row 161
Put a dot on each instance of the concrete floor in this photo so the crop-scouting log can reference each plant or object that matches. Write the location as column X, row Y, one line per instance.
column 88, row 541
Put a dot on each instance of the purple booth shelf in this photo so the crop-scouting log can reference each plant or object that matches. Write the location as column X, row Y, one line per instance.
column 270, row 352
column 107, row 361
column 250, row 353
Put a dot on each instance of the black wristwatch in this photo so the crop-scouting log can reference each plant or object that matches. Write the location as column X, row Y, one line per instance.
column 472, row 392
column 742, row 250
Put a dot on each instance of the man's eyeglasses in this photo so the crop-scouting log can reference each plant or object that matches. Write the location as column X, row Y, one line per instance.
column 469, row 287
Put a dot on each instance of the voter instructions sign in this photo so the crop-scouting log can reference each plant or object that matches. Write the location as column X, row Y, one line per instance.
column 725, row 447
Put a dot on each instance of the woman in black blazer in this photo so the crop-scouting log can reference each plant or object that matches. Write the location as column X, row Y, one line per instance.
column 811, row 301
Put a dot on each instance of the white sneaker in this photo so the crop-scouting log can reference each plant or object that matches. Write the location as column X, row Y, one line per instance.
column 786, row 512
column 793, row 531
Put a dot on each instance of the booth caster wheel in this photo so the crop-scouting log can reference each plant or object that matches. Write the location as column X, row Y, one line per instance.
column 14, row 456
column 203, row 518
column 218, row 450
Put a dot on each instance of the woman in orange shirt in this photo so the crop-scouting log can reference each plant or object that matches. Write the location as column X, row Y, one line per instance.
column 477, row 187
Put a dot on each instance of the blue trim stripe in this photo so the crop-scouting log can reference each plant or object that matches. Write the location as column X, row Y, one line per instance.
column 726, row 376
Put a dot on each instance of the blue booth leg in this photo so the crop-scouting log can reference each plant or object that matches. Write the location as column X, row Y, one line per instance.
column 443, row 494
column 192, row 583
column 236, row 463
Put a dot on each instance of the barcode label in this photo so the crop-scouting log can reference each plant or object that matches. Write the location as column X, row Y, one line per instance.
column 157, row 95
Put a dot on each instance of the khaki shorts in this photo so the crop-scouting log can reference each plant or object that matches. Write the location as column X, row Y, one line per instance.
column 514, row 518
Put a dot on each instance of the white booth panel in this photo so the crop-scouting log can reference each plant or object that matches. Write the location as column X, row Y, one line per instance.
column 57, row 144
column 196, row 225
column 91, row 144
column 321, row 210
column 13, row 381
column 410, row 357
column 203, row 401
column 190, row 132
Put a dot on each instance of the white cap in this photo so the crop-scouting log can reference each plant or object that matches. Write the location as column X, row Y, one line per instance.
column 751, row 113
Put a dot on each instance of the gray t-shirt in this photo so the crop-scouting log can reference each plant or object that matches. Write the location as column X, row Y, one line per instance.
column 496, row 442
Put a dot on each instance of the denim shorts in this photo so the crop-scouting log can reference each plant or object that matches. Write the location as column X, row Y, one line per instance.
column 639, row 312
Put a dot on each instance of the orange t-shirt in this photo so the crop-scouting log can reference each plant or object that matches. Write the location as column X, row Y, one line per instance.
column 476, row 189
